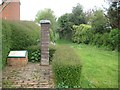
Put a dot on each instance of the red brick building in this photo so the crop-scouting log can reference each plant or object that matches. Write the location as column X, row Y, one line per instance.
column 10, row 10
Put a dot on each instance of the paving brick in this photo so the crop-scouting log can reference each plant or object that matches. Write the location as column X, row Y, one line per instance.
column 40, row 71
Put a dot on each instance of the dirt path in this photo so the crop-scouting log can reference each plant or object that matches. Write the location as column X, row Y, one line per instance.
column 26, row 77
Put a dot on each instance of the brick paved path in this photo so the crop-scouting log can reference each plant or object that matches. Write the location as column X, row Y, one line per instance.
column 31, row 76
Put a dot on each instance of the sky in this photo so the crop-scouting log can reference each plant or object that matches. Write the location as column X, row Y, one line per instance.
column 29, row 8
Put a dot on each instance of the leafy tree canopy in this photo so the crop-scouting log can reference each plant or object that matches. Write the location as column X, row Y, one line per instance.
column 47, row 14
column 99, row 22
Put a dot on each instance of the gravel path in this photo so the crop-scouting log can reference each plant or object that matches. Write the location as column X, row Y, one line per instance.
column 31, row 76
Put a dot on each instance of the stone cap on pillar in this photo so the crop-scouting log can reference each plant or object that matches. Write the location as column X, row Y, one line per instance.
column 45, row 22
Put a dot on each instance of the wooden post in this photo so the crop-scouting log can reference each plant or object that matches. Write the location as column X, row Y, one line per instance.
column 45, row 39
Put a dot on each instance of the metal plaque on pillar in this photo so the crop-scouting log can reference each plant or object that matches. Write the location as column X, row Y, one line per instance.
column 45, row 39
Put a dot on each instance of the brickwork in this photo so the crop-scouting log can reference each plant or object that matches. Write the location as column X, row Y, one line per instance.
column 31, row 76
column 11, row 11
column 17, row 61
column 45, row 43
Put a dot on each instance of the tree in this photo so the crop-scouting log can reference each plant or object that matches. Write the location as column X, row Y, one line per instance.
column 65, row 26
column 77, row 16
column 99, row 22
column 114, row 14
column 47, row 14
column 88, row 15
column 66, row 21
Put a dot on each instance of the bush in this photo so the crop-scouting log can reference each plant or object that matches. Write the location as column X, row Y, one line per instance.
column 35, row 56
column 34, row 53
column 52, row 49
column 66, row 67
column 85, row 34
column 81, row 33
column 114, row 39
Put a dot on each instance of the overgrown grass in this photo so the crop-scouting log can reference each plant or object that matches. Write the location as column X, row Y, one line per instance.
column 100, row 67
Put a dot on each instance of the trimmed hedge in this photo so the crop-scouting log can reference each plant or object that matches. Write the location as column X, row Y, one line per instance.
column 66, row 67
column 24, row 34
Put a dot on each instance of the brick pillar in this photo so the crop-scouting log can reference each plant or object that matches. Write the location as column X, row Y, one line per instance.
column 45, row 25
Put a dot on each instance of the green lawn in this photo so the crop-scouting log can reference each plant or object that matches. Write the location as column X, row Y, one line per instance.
column 100, row 67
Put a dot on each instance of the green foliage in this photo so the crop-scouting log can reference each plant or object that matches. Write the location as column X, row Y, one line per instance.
column 51, row 35
column 7, row 84
column 81, row 33
column 77, row 16
column 0, row 44
column 35, row 56
column 85, row 34
column 99, row 22
column 49, row 15
column 99, row 65
column 66, row 67
column 18, row 35
column 65, row 27
column 52, row 49
column 27, row 34
column 110, row 40
column 67, row 20
column 6, row 40
column 113, row 14
column 114, row 39
column 34, row 53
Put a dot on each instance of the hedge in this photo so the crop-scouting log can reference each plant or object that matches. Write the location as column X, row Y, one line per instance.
column 6, row 40
column 24, row 34
column 18, row 35
column 66, row 68
column 0, row 44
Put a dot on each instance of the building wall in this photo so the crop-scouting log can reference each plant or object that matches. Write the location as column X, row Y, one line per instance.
column 11, row 11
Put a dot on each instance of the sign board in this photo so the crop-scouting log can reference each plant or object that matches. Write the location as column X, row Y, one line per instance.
column 17, row 54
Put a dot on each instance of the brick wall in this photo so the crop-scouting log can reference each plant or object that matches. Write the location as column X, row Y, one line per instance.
column 17, row 61
column 11, row 11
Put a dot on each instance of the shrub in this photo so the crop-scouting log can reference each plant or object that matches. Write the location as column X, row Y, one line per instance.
column 35, row 56
column 52, row 49
column 66, row 67
column 114, row 39
column 81, row 33
column 34, row 53
column 85, row 34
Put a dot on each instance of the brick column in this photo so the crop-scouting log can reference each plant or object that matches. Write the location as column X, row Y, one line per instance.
column 45, row 25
